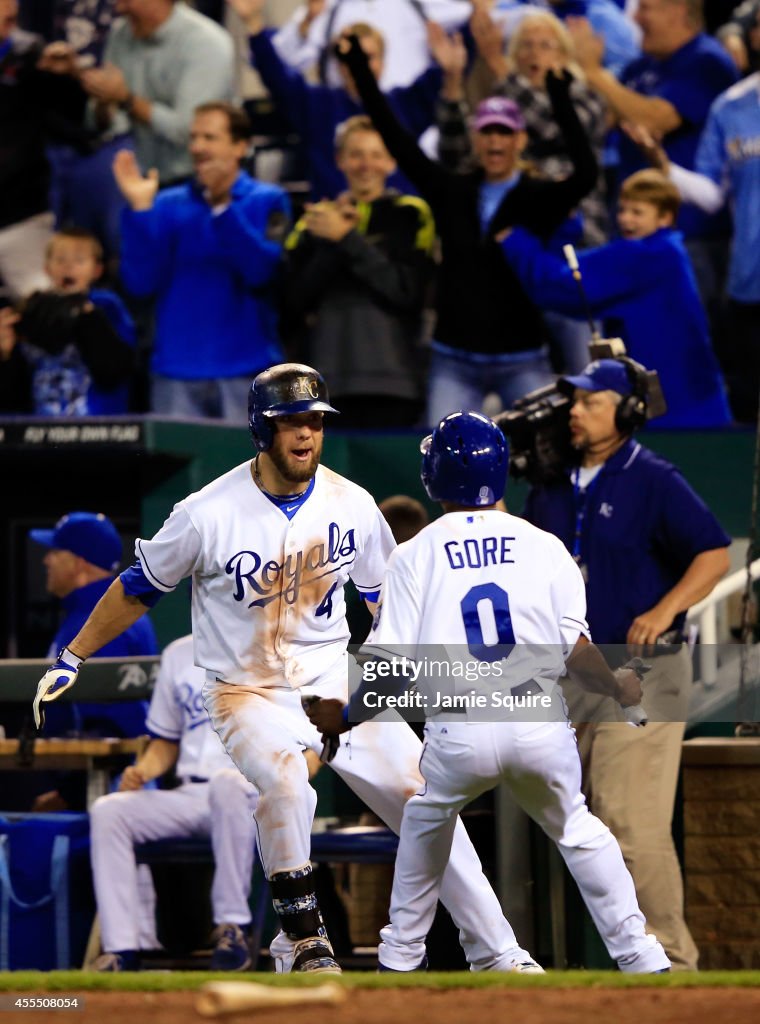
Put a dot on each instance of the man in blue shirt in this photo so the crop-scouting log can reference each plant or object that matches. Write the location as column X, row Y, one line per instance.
column 209, row 252
column 83, row 555
column 649, row 548
column 669, row 88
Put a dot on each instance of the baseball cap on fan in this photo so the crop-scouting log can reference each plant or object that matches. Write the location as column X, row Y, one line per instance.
column 601, row 375
column 91, row 535
column 498, row 110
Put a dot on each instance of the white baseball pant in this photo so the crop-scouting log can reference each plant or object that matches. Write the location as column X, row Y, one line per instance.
column 222, row 808
column 540, row 764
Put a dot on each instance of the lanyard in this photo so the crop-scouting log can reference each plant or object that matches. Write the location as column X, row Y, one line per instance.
column 581, row 500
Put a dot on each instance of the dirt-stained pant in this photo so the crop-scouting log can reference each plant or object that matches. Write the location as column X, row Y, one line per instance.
column 265, row 731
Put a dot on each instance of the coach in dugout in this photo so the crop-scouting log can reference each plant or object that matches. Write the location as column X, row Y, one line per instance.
column 649, row 548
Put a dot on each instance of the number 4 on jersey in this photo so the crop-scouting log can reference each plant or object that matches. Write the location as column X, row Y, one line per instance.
column 325, row 605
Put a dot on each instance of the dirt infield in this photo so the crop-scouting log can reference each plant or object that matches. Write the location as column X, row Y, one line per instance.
column 407, row 1006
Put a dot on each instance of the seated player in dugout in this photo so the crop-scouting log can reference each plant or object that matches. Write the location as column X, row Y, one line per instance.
column 270, row 546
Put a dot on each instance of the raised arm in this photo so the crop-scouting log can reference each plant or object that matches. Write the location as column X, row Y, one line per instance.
column 559, row 198
column 428, row 176
column 287, row 85
column 659, row 115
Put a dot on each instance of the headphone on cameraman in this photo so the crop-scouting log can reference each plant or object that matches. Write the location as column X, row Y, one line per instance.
column 631, row 411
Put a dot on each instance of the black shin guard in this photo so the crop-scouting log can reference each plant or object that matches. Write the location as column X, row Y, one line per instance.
column 295, row 904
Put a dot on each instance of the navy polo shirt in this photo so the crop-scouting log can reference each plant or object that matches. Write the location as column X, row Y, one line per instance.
column 642, row 528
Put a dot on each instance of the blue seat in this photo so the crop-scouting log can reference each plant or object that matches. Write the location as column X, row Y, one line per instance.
column 362, row 844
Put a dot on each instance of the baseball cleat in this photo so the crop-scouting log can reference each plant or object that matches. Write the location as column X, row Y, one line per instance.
column 231, row 952
column 527, row 967
column 519, row 961
column 314, row 956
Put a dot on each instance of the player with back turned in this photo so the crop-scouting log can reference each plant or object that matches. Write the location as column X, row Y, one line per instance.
column 508, row 595
column 270, row 546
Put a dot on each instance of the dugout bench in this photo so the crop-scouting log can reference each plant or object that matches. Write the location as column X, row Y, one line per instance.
column 350, row 845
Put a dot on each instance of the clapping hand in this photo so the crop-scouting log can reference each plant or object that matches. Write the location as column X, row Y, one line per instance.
column 251, row 13
column 59, row 58
column 589, row 47
column 139, row 191
column 329, row 221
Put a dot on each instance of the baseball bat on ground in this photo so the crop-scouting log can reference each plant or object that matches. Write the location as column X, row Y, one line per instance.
column 221, row 997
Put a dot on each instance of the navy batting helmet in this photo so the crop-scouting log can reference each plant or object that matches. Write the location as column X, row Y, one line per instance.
column 465, row 460
column 283, row 390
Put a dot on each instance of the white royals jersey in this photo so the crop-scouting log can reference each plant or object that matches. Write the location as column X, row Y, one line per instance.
column 177, row 713
column 476, row 583
column 268, row 604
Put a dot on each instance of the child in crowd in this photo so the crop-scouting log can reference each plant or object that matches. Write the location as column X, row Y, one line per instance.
column 643, row 287
column 68, row 351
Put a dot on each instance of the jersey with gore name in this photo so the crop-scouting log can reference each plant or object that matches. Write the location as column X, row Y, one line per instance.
column 486, row 586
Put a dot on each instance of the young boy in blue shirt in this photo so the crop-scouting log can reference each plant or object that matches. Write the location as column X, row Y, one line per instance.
column 642, row 286
column 68, row 351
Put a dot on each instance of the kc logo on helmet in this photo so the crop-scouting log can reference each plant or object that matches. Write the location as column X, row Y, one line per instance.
column 304, row 387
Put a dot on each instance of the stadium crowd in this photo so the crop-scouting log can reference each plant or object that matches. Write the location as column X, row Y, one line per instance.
column 154, row 258
column 389, row 199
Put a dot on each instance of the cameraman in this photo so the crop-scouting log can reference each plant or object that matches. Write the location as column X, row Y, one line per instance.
column 648, row 548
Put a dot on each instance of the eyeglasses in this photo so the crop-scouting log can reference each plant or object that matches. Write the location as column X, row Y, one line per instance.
column 542, row 45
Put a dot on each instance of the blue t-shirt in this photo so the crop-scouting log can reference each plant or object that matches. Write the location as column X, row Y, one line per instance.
column 729, row 154
column 642, row 529
column 690, row 79
column 490, row 195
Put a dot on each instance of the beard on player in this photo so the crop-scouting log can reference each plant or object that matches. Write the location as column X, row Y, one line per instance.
column 292, row 463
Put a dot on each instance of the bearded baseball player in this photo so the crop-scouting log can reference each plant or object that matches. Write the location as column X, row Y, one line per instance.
column 492, row 583
column 270, row 546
